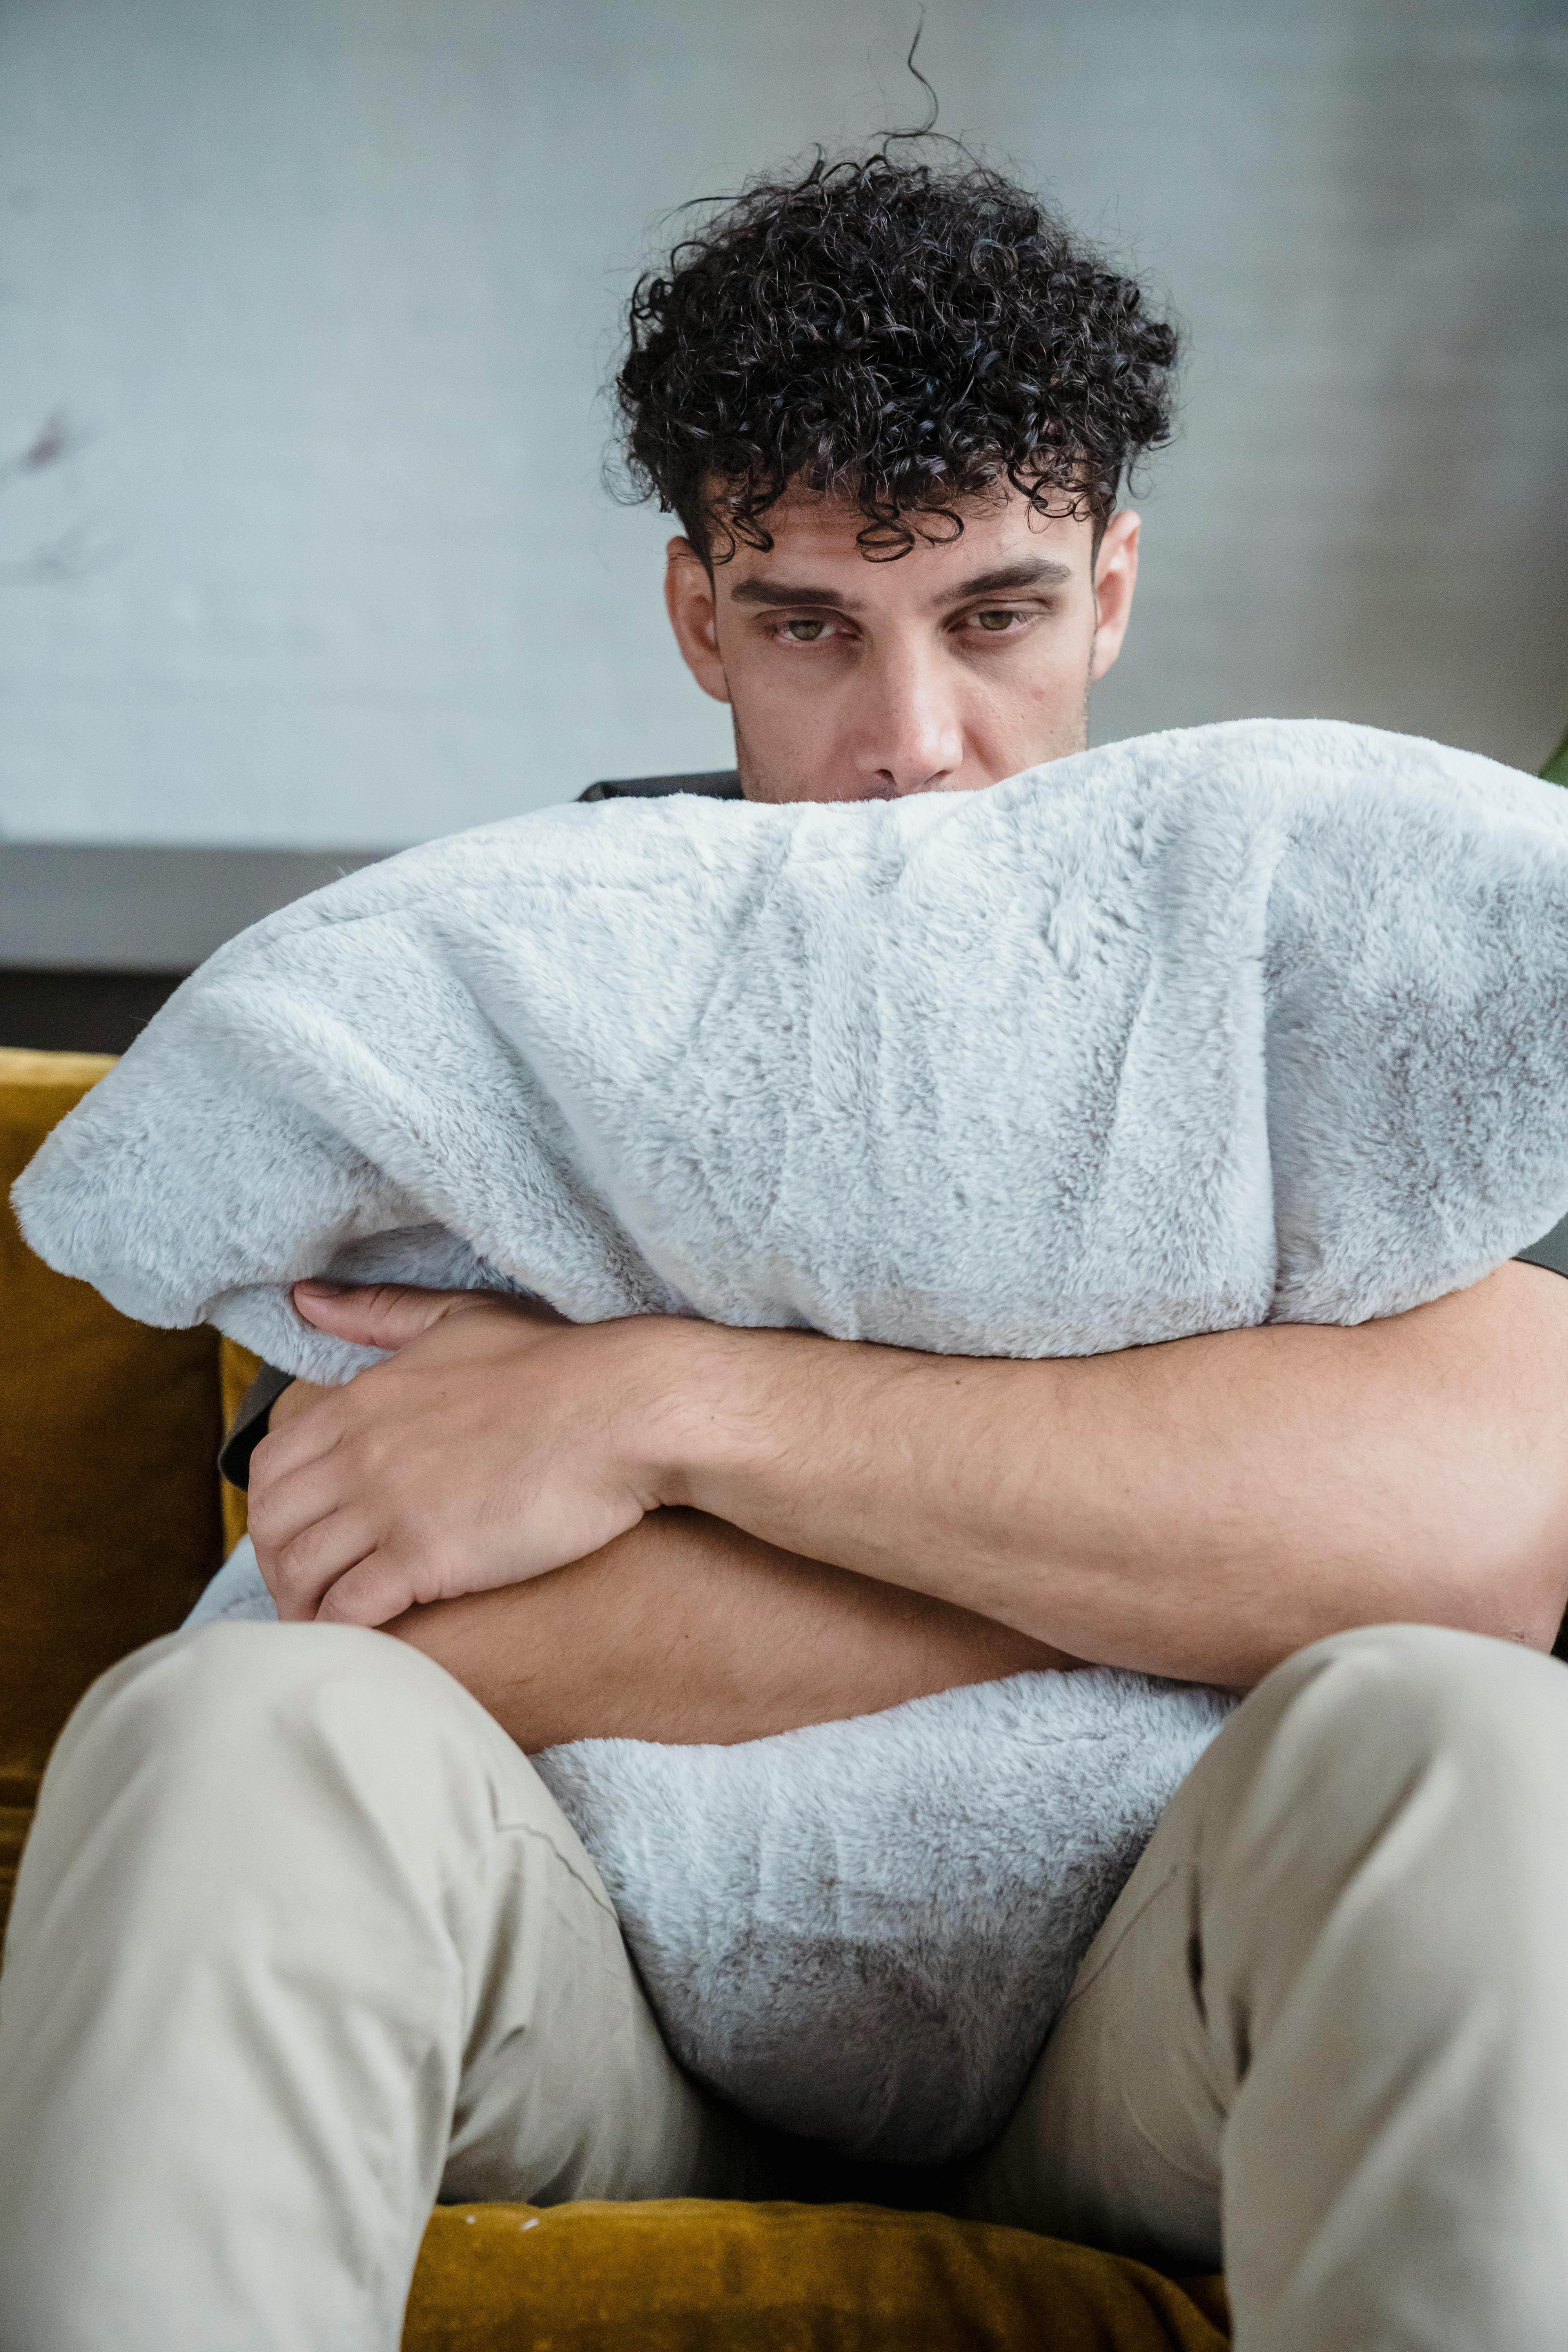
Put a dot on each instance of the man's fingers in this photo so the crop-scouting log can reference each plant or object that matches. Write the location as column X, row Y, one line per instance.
column 374, row 1315
column 373, row 1592
column 303, row 1438
column 285, row 1506
column 301, row 1574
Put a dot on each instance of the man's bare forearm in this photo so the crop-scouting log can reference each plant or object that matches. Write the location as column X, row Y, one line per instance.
column 686, row 1629
column 1201, row 1509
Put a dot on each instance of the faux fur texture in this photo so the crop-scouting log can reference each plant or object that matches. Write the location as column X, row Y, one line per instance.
column 1261, row 1021
column 878, row 1920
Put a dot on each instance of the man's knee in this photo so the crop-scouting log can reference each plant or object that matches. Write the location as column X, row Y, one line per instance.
column 1458, row 1740
column 1413, row 1691
column 234, row 1690
column 230, row 1749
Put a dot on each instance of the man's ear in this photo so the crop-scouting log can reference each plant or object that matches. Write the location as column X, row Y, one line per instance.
column 689, row 600
column 1115, row 577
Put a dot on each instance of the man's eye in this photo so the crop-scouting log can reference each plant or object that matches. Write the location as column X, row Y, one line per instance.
column 803, row 632
column 996, row 622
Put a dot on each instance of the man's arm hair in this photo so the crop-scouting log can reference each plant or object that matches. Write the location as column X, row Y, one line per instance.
column 1201, row 1509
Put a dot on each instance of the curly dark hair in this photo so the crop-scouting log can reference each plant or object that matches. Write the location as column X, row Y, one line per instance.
column 898, row 335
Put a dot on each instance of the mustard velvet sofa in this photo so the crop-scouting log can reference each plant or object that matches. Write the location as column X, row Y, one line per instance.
column 112, row 1520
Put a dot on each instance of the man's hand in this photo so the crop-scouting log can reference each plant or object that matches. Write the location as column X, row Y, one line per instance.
column 497, row 1444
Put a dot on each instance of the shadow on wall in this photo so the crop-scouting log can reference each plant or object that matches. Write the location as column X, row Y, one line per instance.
column 1463, row 394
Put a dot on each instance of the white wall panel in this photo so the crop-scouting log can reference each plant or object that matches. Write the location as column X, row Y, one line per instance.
column 327, row 290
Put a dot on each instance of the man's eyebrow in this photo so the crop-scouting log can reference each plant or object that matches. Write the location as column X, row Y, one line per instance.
column 1031, row 571
column 780, row 592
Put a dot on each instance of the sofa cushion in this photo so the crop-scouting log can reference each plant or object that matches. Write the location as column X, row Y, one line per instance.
column 109, row 1507
column 686, row 2275
column 237, row 1368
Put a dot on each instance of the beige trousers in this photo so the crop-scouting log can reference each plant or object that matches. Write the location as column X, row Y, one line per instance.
column 301, row 1944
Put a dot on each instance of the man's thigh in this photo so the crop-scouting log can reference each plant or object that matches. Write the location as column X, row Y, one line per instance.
column 1116, row 2141
column 301, row 1934
column 1338, row 1961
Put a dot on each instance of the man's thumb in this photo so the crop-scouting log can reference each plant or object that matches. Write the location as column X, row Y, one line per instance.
column 372, row 1315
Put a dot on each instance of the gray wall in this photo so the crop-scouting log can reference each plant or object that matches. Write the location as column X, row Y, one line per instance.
column 325, row 289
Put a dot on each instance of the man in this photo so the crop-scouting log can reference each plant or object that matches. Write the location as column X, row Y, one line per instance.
column 300, row 1941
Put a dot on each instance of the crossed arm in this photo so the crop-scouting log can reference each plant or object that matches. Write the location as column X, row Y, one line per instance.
column 670, row 1531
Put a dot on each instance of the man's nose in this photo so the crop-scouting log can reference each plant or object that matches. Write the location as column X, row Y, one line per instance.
column 908, row 739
